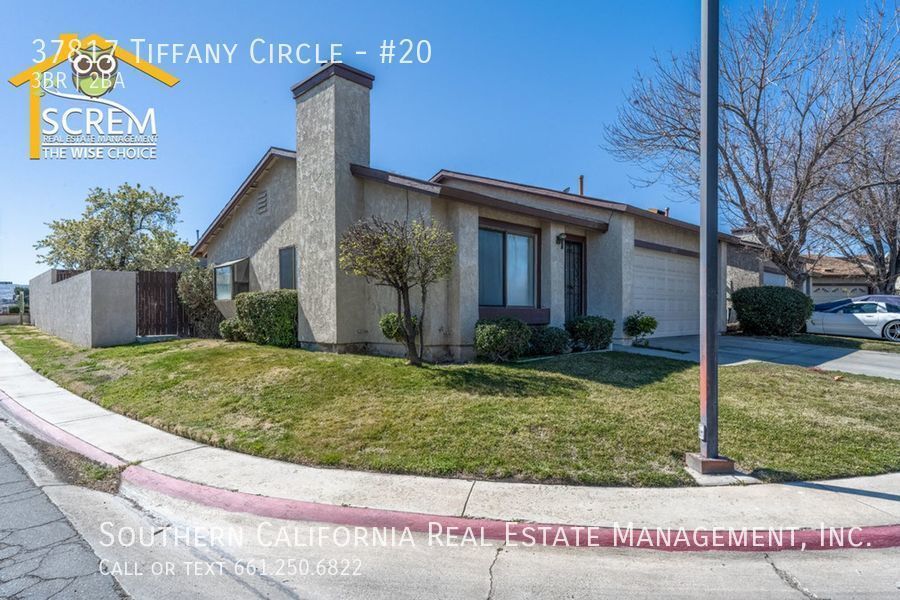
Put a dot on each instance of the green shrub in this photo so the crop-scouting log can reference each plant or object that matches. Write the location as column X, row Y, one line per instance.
column 197, row 294
column 549, row 340
column 231, row 330
column 501, row 339
column 639, row 326
column 590, row 333
column 268, row 317
column 771, row 310
column 392, row 326
column 14, row 309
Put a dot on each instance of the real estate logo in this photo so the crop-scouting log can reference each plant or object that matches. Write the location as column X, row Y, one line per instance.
column 87, row 121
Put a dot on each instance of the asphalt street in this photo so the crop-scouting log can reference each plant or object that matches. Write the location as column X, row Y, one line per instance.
column 41, row 554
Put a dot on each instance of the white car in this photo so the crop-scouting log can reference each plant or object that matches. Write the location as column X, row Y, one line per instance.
column 858, row 319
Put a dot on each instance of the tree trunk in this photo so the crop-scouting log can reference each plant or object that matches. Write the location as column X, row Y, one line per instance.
column 409, row 331
column 422, row 324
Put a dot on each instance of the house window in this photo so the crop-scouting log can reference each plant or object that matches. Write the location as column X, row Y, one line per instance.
column 286, row 268
column 224, row 283
column 232, row 278
column 507, row 268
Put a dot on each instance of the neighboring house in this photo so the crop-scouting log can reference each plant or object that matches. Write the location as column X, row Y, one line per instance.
column 541, row 255
column 833, row 278
column 828, row 277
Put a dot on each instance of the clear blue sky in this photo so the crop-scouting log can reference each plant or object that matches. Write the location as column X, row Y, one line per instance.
column 515, row 90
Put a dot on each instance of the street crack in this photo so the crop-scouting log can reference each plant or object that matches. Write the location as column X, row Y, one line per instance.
column 791, row 581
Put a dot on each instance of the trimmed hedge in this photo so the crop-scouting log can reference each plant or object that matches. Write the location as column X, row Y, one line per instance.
column 549, row 340
column 230, row 329
column 771, row 310
column 503, row 339
column 590, row 332
column 268, row 317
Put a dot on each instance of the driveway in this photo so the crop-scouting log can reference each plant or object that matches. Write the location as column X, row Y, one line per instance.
column 735, row 349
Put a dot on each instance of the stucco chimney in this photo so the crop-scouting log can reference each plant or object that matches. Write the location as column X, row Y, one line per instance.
column 332, row 133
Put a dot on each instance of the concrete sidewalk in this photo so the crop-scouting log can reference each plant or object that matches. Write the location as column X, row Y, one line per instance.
column 735, row 350
column 857, row 502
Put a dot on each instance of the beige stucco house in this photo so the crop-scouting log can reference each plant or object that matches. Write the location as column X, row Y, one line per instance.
column 526, row 251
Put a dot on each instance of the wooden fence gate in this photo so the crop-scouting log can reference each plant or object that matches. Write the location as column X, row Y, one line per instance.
column 159, row 312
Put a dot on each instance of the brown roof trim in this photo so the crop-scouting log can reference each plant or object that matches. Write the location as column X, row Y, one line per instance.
column 331, row 70
column 444, row 174
column 271, row 154
column 665, row 248
column 468, row 197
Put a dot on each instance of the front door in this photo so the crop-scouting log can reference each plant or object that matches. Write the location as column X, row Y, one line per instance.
column 574, row 279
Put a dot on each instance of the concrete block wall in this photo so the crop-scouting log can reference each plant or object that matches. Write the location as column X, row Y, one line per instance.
column 91, row 309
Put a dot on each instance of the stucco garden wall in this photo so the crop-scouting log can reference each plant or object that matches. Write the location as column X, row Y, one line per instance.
column 91, row 309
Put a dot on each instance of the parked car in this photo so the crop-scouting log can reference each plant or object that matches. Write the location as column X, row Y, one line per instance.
column 826, row 306
column 871, row 319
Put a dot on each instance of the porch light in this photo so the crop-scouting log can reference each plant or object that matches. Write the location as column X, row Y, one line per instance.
column 561, row 240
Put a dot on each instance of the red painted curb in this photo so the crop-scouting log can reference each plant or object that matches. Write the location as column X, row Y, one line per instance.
column 473, row 529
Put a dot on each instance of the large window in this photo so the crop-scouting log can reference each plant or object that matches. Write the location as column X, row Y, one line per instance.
column 286, row 268
column 507, row 268
column 232, row 278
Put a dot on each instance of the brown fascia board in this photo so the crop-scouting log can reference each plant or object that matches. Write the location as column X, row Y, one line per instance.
column 584, row 200
column 232, row 204
column 331, row 70
column 469, row 197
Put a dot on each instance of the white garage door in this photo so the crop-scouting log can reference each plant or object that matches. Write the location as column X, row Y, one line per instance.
column 829, row 292
column 667, row 286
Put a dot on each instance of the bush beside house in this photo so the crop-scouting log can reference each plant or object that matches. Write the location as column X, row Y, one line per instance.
column 391, row 325
column 590, row 332
column 267, row 317
column 546, row 341
column 501, row 340
column 639, row 326
column 230, row 329
column 197, row 294
column 771, row 310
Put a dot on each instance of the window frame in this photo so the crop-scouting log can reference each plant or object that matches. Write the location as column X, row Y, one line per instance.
column 293, row 250
column 520, row 230
column 237, row 287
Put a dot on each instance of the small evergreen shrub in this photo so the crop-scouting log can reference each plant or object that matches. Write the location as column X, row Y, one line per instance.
column 590, row 332
column 392, row 326
column 500, row 340
column 771, row 310
column 639, row 326
column 230, row 329
column 549, row 340
column 268, row 317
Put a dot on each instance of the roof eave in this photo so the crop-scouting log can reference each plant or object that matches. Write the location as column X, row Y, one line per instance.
column 273, row 152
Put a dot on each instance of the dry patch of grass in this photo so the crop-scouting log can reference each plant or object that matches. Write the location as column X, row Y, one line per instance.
column 75, row 469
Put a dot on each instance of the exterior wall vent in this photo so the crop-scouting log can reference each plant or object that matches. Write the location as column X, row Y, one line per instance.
column 262, row 203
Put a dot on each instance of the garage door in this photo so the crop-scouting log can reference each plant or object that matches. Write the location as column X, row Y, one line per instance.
column 667, row 286
column 829, row 292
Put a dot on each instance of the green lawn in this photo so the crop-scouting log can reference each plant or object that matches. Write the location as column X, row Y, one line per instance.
column 846, row 342
column 598, row 418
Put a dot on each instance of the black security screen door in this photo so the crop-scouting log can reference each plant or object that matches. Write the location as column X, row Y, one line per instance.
column 574, row 279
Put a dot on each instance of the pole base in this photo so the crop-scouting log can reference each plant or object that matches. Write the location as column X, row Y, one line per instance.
column 709, row 466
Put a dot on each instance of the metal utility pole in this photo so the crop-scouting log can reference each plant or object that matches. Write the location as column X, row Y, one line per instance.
column 708, row 460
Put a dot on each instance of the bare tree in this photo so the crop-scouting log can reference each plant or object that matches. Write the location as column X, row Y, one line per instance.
column 793, row 94
column 866, row 228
